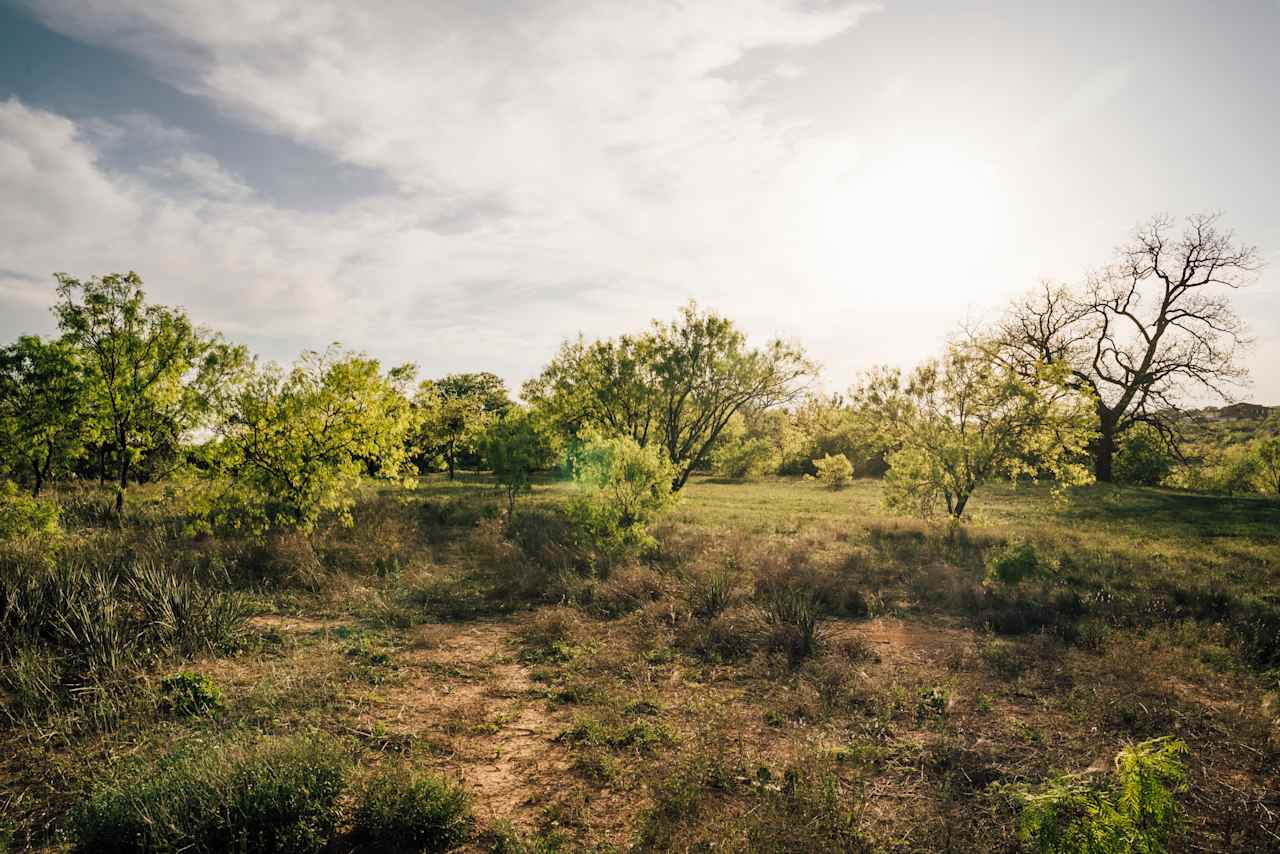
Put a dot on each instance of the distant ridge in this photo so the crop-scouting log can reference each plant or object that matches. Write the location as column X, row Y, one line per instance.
column 1236, row 412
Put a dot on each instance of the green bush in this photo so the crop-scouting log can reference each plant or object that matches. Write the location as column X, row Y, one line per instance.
column 1018, row 562
column 1137, row 813
column 622, row 488
column 21, row 515
column 745, row 459
column 189, row 694
column 400, row 810
column 1143, row 458
column 834, row 471
column 273, row 795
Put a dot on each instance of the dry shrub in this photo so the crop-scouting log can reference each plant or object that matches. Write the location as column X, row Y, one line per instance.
column 551, row 633
column 835, row 591
column 835, row 679
column 431, row 636
column 732, row 634
column 630, row 588
column 284, row 560
column 382, row 537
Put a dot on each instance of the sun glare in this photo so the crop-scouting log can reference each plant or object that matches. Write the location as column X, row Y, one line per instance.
column 923, row 219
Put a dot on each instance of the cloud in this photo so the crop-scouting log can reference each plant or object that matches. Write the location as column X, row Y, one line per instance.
column 557, row 167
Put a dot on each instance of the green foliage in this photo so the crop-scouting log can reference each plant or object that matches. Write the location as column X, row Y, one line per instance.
column 451, row 417
column 1143, row 457
column 622, row 488
column 835, row 472
column 295, row 444
column 188, row 694
column 1268, row 454
column 102, row 612
column 676, row 387
column 1018, row 562
column 966, row 419
column 22, row 515
column 744, row 458
column 401, row 810
column 515, row 448
column 272, row 795
column 138, row 360
column 1136, row 814
column 43, row 402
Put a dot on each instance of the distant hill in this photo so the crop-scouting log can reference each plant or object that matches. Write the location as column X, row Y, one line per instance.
column 1237, row 412
column 1220, row 427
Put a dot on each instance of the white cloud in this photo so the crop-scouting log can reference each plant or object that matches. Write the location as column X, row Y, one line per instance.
column 564, row 166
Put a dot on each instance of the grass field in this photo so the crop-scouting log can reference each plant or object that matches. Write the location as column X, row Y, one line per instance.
column 666, row 705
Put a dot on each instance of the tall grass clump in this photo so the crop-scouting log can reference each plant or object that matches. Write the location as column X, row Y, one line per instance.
column 793, row 614
column 99, row 611
column 273, row 795
column 401, row 810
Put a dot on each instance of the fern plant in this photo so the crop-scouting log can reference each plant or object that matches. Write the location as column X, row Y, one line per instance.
column 1136, row 814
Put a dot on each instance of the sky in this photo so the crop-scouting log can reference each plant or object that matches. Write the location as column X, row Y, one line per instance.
column 466, row 184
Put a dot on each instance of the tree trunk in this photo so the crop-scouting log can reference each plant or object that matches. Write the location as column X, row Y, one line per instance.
column 449, row 461
column 961, row 501
column 123, row 484
column 1104, row 450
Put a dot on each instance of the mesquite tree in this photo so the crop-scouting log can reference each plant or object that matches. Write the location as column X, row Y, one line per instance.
column 676, row 386
column 136, row 356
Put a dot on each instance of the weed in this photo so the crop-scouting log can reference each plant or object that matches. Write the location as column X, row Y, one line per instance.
column 278, row 795
column 190, row 695
column 402, row 810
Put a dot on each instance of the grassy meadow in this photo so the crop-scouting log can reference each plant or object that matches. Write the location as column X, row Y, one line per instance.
column 785, row 668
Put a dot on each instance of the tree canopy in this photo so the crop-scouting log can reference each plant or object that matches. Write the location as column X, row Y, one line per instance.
column 675, row 386
column 962, row 420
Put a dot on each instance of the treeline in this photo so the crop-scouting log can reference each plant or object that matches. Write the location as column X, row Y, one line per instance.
column 1070, row 384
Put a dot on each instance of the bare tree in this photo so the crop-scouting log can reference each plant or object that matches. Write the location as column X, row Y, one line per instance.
column 1144, row 331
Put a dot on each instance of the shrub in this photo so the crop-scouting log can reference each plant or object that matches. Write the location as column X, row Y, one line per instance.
column 515, row 447
column 190, row 694
column 400, row 810
column 22, row 515
column 834, row 471
column 1137, row 813
column 1018, row 562
column 623, row 487
column 1143, row 458
column 273, row 795
column 810, row 811
column 745, row 459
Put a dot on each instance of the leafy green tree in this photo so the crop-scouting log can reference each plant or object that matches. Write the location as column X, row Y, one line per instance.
column 516, row 447
column 1143, row 457
column 295, row 443
column 137, row 357
column 452, row 415
column 42, row 408
column 676, row 386
column 963, row 420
